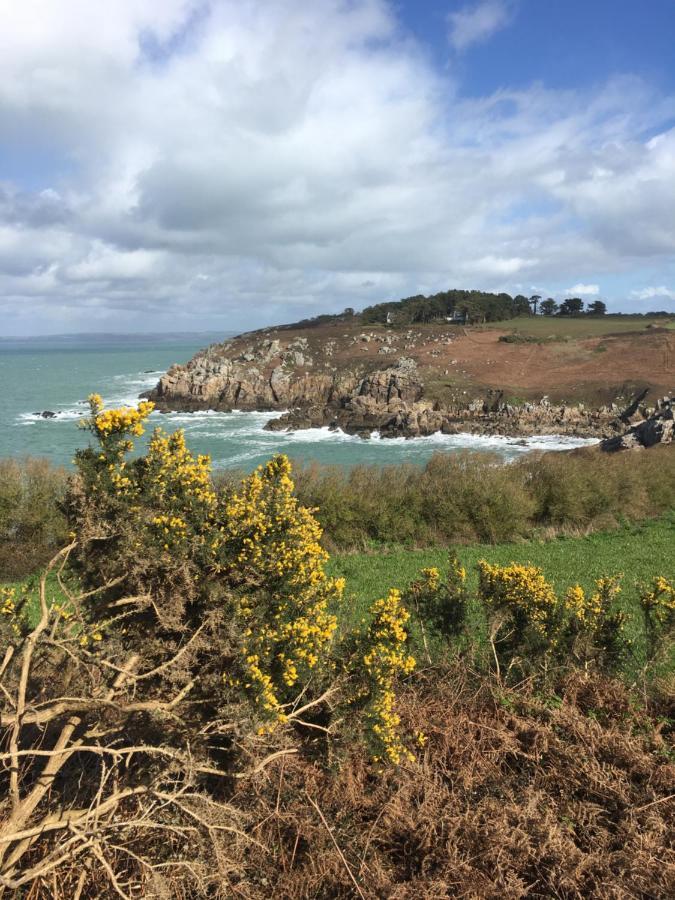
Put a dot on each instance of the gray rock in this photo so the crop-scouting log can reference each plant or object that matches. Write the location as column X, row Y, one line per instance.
column 659, row 428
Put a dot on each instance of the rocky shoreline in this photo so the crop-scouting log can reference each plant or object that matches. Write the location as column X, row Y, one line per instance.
column 311, row 388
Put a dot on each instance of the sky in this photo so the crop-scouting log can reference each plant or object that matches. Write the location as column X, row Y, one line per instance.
column 190, row 165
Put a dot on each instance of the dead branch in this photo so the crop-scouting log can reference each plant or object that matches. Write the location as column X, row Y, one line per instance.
column 266, row 762
column 337, row 847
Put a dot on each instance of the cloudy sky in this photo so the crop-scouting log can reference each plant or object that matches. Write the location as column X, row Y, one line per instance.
column 224, row 164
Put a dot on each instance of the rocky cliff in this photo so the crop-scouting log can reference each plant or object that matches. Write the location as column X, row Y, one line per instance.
column 656, row 427
column 400, row 383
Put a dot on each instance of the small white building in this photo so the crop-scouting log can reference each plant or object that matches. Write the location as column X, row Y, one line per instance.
column 457, row 317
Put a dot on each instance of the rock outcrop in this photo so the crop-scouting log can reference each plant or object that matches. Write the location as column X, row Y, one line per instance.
column 340, row 378
column 264, row 376
column 656, row 428
column 364, row 414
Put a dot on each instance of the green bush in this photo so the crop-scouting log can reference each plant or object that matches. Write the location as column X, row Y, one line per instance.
column 475, row 497
column 32, row 524
column 440, row 601
column 455, row 498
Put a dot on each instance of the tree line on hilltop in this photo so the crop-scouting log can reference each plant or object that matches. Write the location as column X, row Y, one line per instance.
column 474, row 306
column 463, row 307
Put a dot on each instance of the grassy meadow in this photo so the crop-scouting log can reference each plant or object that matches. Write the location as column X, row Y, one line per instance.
column 579, row 327
column 637, row 552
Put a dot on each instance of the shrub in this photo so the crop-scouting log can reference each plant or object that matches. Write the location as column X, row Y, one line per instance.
column 385, row 659
column 440, row 602
column 596, row 628
column 468, row 497
column 541, row 624
column 131, row 703
column 657, row 601
column 248, row 561
column 275, row 565
column 32, row 524
column 10, row 622
column 520, row 598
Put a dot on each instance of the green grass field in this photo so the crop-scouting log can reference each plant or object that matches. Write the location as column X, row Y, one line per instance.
column 581, row 327
column 637, row 552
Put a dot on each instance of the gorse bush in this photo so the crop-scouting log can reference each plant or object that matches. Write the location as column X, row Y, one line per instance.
column 596, row 628
column 204, row 624
column 247, row 562
column 276, row 565
column 531, row 624
column 385, row 659
column 10, row 623
column 519, row 598
column 657, row 601
column 440, row 603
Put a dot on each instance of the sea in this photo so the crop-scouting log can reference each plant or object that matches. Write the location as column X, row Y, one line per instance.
column 56, row 374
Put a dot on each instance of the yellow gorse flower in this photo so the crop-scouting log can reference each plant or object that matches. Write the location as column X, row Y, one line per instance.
column 125, row 420
column 588, row 609
column 8, row 608
column 658, row 601
column 384, row 661
column 432, row 577
column 523, row 592
column 285, row 594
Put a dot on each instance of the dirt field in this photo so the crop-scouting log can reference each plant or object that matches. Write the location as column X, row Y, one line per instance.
column 597, row 369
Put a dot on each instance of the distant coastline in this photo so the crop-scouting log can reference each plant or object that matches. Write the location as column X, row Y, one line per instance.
column 105, row 337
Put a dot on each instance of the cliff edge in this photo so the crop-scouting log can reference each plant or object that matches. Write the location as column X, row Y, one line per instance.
column 422, row 379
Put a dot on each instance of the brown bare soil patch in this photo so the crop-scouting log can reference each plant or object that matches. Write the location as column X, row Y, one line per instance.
column 593, row 368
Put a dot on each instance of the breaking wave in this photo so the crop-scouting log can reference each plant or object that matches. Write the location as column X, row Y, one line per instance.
column 239, row 439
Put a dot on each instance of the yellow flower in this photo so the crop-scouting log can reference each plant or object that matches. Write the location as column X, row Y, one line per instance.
column 384, row 661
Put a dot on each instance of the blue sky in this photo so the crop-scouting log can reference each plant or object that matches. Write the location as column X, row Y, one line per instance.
column 205, row 164
column 562, row 43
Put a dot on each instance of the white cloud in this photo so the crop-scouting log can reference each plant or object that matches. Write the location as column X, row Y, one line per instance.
column 498, row 265
column 649, row 293
column 478, row 22
column 236, row 163
column 105, row 263
column 590, row 290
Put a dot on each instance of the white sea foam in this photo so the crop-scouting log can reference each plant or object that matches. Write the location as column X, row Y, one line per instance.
column 314, row 435
column 70, row 414
column 463, row 440
column 244, row 432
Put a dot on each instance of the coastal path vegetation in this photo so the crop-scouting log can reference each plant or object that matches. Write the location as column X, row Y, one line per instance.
column 197, row 702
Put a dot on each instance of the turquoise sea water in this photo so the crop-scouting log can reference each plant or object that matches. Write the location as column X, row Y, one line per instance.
column 58, row 374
